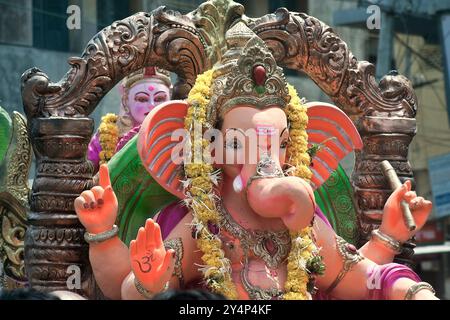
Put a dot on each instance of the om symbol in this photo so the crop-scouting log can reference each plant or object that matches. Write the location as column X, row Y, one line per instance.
column 145, row 264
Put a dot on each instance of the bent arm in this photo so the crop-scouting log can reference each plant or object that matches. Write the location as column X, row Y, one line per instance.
column 349, row 275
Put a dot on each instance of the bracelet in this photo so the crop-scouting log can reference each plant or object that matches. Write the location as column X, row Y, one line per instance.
column 388, row 241
column 418, row 287
column 176, row 244
column 100, row 237
column 144, row 292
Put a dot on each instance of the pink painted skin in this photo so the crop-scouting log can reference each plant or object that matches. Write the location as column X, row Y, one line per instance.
column 287, row 201
column 266, row 204
column 144, row 96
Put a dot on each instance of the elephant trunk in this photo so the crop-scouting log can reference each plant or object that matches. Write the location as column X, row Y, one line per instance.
column 273, row 195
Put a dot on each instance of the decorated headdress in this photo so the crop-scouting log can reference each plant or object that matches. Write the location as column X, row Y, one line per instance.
column 147, row 73
column 247, row 75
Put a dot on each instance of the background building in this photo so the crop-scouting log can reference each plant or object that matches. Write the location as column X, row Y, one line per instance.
column 34, row 33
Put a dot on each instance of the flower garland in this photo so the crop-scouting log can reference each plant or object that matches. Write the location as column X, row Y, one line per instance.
column 201, row 198
column 108, row 136
column 303, row 249
column 298, row 156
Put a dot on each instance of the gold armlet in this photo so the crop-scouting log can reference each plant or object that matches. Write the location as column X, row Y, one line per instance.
column 176, row 244
column 418, row 287
column 351, row 257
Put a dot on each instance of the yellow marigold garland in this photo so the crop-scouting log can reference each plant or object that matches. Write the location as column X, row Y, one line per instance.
column 202, row 199
column 303, row 248
column 108, row 136
column 217, row 270
column 298, row 156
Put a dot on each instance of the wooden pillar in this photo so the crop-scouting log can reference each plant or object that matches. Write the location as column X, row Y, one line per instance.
column 54, row 244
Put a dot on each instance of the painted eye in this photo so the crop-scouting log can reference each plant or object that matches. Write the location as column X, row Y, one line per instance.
column 284, row 144
column 142, row 99
column 233, row 144
column 160, row 98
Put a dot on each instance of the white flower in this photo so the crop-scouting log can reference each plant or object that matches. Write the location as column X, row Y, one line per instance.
column 215, row 177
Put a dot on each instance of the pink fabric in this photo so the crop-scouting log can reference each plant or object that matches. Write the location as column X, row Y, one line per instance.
column 170, row 216
column 94, row 147
column 380, row 280
column 127, row 137
column 383, row 278
column 93, row 152
column 320, row 214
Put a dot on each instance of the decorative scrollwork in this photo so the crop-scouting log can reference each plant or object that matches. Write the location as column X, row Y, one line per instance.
column 14, row 192
column 19, row 162
column 184, row 44
column 127, row 41
column 393, row 96
column 212, row 19
column 11, row 244
column 304, row 43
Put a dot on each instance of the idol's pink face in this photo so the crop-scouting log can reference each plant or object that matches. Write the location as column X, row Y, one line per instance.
column 144, row 96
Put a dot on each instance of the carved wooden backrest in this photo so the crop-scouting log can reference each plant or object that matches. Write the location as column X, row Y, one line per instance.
column 15, row 161
column 190, row 44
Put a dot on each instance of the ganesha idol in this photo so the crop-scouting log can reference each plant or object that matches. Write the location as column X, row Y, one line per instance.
column 141, row 91
column 249, row 228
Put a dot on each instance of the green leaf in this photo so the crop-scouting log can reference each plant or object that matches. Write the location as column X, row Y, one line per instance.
column 315, row 147
column 5, row 133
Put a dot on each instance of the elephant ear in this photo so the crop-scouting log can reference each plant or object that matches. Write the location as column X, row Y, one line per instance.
column 156, row 144
column 331, row 136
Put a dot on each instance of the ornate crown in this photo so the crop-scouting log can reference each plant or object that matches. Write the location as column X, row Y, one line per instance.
column 247, row 75
column 147, row 73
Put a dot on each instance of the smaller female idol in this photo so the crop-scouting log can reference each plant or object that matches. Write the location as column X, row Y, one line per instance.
column 141, row 92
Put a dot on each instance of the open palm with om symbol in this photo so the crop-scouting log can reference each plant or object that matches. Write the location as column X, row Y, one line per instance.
column 151, row 263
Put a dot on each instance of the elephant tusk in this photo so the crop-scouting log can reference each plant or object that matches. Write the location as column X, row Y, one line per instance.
column 237, row 184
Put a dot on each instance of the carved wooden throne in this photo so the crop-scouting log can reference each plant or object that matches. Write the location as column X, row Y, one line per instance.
column 60, row 127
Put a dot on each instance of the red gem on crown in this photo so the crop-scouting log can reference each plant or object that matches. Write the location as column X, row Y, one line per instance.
column 149, row 72
column 259, row 75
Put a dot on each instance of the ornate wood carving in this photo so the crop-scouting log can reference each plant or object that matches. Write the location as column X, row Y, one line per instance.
column 188, row 45
column 14, row 192
column 384, row 112
column 184, row 44
column 54, row 239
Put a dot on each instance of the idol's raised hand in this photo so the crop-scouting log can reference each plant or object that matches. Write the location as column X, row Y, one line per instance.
column 152, row 265
column 97, row 208
column 393, row 223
